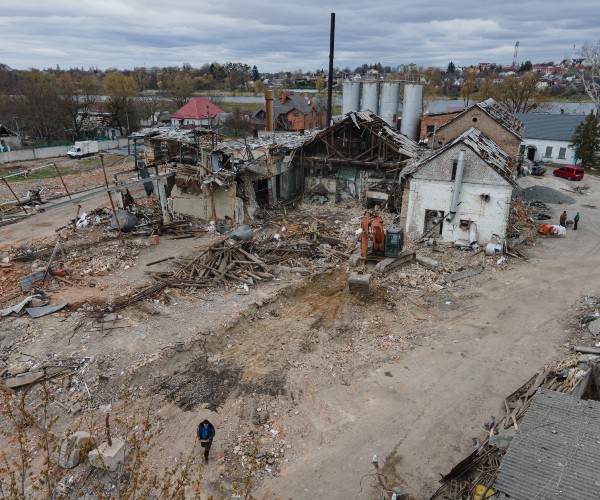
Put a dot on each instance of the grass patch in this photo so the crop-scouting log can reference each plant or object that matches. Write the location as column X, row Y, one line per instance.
column 42, row 173
column 245, row 107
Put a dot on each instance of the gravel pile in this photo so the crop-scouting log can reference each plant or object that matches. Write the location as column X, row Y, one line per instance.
column 544, row 194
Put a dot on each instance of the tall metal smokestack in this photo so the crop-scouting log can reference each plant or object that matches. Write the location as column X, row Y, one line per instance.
column 330, row 79
column 269, row 95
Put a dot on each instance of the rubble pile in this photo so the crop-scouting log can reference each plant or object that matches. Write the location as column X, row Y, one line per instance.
column 223, row 260
column 522, row 227
column 481, row 466
column 295, row 241
column 257, row 453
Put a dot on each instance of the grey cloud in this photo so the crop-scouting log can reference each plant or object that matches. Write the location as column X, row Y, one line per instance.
column 276, row 35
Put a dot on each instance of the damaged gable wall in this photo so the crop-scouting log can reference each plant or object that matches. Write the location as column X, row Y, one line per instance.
column 475, row 117
column 484, row 197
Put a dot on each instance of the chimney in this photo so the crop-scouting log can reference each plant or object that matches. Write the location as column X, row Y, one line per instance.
column 310, row 100
column 269, row 110
column 284, row 95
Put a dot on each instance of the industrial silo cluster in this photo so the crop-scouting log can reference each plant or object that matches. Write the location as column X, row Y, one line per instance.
column 382, row 98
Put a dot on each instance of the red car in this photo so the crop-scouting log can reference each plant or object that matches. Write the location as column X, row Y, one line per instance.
column 571, row 172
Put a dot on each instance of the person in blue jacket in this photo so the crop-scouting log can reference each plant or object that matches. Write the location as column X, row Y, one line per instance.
column 206, row 433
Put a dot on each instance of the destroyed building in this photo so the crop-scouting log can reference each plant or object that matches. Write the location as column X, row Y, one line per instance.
column 360, row 157
column 461, row 193
column 489, row 117
column 225, row 180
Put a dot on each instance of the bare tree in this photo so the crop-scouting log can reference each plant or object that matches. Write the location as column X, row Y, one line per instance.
column 154, row 107
column 521, row 94
column 591, row 73
column 180, row 88
column 121, row 90
column 38, row 105
column 468, row 85
column 77, row 95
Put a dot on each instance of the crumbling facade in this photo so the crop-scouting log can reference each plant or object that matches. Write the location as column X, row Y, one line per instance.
column 489, row 117
column 360, row 156
column 461, row 194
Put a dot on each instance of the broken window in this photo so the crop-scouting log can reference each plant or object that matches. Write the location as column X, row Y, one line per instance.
column 430, row 128
column 434, row 221
column 548, row 153
column 562, row 153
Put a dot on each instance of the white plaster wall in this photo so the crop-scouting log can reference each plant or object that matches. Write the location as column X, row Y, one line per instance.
column 431, row 189
column 490, row 216
column 200, row 206
column 541, row 145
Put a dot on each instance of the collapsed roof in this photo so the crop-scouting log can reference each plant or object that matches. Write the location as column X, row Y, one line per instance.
column 351, row 129
column 480, row 144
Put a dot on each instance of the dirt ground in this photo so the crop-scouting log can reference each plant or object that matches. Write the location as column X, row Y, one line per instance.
column 325, row 379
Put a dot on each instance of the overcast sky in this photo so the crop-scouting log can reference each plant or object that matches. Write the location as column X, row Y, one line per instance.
column 281, row 35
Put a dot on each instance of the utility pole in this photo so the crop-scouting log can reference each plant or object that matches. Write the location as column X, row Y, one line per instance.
column 330, row 79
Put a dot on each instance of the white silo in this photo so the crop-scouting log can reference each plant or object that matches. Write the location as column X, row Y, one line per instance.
column 390, row 95
column 370, row 97
column 411, row 110
column 351, row 97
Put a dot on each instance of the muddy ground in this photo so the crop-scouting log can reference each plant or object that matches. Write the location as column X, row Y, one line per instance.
column 323, row 378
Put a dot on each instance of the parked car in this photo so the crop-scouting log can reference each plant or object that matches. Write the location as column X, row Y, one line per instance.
column 571, row 172
column 537, row 169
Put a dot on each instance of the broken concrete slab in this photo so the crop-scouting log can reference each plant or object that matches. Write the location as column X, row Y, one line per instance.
column 108, row 457
column 427, row 262
column 594, row 327
column 71, row 449
column 467, row 273
column 24, row 379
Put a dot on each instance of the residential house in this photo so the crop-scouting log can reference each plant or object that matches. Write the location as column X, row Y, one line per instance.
column 96, row 121
column 489, row 117
column 9, row 139
column 357, row 157
column 197, row 112
column 461, row 193
column 547, row 137
column 291, row 112
column 158, row 118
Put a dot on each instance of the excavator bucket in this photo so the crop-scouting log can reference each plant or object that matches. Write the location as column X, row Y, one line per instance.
column 359, row 283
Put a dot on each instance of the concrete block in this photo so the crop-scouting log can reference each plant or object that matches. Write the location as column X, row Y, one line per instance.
column 108, row 457
column 594, row 327
column 71, row 449
column 467, row 273
column 24, row 379
column 427, row 262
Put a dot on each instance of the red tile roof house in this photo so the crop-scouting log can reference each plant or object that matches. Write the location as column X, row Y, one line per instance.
column 198, row 112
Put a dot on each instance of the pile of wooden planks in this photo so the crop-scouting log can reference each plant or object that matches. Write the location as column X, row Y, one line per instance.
column 225, row 260
column 301, row 242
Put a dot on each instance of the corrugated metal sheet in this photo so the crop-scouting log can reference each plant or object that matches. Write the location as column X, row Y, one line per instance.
column 556, row 453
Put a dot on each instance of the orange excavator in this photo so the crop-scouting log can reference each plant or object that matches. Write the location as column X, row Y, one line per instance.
column 379, row 245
